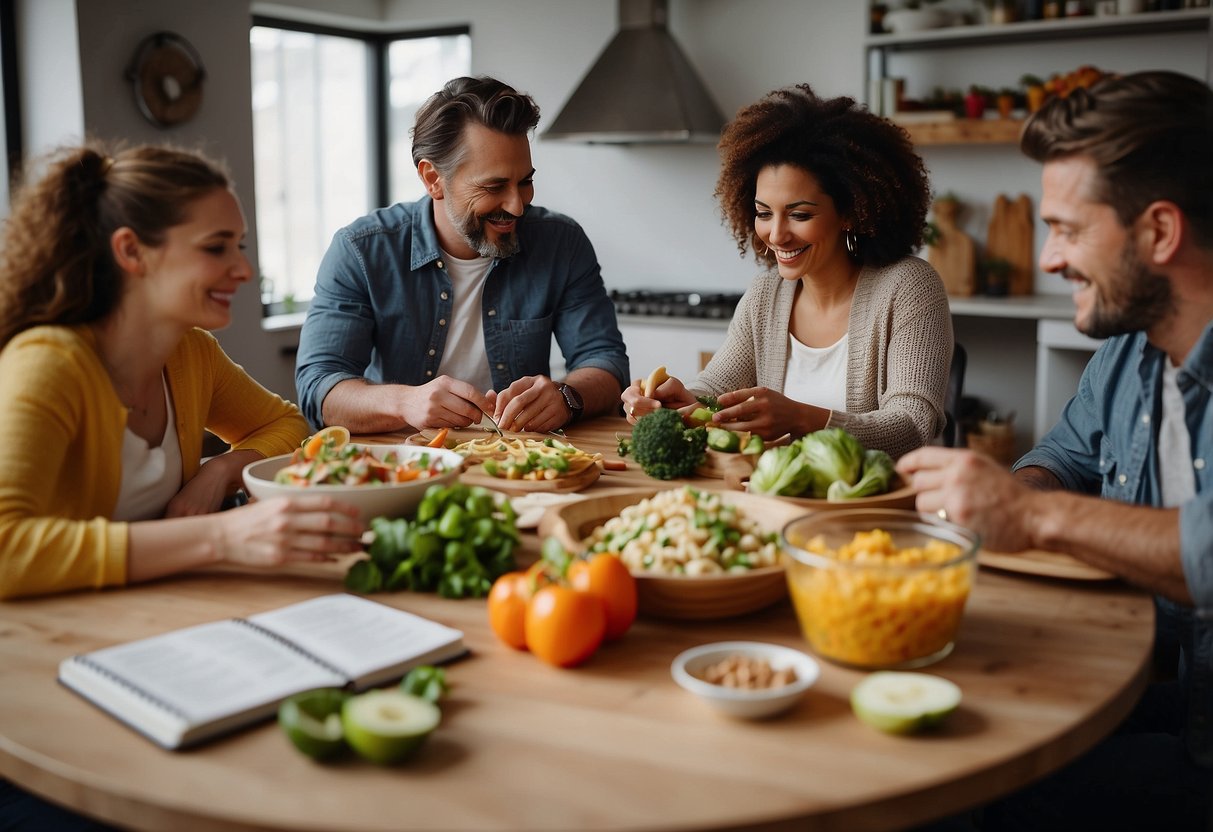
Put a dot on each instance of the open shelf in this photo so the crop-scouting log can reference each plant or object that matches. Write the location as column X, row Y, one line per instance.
column 1038, row 30
column 965, row 131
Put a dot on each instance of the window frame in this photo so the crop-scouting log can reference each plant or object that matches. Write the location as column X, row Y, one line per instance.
column 378, row 89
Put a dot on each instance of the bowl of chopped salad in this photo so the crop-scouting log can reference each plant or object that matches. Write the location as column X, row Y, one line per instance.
column 695, row 553
column 381, row 480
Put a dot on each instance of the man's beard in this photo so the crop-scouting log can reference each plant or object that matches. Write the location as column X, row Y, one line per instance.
column 1136, row 300
column 472, row 228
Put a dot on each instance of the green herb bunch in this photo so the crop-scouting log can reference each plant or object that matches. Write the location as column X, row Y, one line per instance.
column 459, row 543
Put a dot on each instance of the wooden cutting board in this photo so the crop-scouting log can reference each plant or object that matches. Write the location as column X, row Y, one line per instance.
column 1010, row 238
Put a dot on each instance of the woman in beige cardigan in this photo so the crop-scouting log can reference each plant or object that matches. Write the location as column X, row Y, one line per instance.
column 847, row 329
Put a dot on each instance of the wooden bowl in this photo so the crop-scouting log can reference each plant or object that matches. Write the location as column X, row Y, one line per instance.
column 689, row 597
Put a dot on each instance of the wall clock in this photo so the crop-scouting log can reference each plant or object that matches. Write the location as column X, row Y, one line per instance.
column 166, row 73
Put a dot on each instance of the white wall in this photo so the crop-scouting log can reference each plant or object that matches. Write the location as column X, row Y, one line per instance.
column 648, row 209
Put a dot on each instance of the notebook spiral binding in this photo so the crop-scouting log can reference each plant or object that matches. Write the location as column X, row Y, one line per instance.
column 290, row 645
column 150, row 698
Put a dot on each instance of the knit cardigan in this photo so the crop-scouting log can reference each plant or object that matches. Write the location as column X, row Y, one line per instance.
column 61, row 458
column 900, row 352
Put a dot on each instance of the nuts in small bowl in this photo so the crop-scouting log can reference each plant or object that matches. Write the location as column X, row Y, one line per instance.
column 745, row 679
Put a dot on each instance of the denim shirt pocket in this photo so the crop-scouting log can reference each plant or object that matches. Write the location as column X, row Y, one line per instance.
column 531, row 346
column 1117, row 484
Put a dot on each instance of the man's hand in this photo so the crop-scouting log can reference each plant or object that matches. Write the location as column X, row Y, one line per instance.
column 532, row 403
column 445, row 402
column 974, row 492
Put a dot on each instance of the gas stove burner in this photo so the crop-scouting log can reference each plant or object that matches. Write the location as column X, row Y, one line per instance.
column 719, row 305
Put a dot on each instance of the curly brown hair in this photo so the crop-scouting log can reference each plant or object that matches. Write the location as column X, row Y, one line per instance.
column 865, row 163
column 56, row 266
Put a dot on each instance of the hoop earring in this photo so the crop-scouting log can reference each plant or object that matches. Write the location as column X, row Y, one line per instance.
column 765, row 250
column 851, row 241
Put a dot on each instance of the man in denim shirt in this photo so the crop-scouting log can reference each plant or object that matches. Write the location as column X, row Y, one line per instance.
column 1125, row 480
column 432, row 313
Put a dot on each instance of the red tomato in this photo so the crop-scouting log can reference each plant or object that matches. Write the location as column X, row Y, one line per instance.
column 507, row 608
column 564, row 627
column 606, row 578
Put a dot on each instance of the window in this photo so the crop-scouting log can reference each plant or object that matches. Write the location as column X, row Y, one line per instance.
column 10, row 115
column 332, row 111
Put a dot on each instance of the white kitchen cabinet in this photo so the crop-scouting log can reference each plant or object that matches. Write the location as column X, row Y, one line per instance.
column 676, row 343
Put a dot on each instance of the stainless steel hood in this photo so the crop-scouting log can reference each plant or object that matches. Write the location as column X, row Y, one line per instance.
column 640, row 90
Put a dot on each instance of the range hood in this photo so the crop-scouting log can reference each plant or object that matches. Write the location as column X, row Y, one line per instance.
column 640, row 90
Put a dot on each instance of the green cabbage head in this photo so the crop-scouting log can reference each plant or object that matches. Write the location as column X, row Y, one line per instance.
column 833, row 455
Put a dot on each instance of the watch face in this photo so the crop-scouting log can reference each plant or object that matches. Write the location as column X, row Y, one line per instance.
column 572, row 398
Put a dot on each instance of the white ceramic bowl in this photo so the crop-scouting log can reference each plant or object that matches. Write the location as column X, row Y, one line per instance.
column 381, row 500
column 689, row 666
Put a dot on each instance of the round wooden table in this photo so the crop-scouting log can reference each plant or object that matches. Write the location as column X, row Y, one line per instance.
column 1047, row 668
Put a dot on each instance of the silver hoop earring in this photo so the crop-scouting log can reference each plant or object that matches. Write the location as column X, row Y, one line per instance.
column 852, row 242
column 765, row 250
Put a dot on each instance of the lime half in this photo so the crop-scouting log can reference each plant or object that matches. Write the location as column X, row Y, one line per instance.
column 386, row 726
column 902, row 703
column 312, row 721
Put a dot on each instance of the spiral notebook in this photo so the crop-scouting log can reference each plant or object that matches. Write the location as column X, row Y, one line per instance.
column 193, row 684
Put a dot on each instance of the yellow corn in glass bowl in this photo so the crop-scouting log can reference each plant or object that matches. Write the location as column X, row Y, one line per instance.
column 879, row 588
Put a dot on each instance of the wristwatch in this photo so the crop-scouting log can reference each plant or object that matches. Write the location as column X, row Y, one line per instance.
column 572, row 400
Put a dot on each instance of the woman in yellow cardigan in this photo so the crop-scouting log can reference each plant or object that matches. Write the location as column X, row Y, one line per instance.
column 112, row 268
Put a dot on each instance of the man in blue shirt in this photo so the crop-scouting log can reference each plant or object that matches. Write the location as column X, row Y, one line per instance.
column 432, row 313
column 1125, row 480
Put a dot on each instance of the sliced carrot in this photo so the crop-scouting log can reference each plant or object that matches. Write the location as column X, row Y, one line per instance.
column 313, row 446
column 614, row 465
column 439, row 439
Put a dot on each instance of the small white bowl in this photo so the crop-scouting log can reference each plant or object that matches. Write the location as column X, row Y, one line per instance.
column 381, row 500
column 689, row 665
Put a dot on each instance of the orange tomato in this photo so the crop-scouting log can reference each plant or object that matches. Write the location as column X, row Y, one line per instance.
column 605, row 577
column 564, row 627
column 507, row 608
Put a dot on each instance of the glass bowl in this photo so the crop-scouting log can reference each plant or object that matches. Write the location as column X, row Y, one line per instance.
column 879, row 588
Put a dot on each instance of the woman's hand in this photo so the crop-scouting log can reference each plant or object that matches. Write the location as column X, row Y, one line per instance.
column 218, row 477
column 769, row 414
column 282, row 530
column 671, row 393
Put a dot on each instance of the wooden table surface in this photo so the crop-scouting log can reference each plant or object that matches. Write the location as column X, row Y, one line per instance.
column 1047, row 668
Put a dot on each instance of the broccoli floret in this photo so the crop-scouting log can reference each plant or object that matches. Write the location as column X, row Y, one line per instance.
column 664, row 447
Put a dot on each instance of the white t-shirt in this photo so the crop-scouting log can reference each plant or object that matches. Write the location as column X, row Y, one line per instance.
column 817, row 375
column 150, row 476
column 464, row 356
column 1175, row 472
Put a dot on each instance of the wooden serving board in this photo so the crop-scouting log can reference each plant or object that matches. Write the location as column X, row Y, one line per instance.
column 720, row 465
column 1044, row 564
column 475, row 475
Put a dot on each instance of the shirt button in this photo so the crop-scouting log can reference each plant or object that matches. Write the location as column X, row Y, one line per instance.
column 429, row 373
column 1122, row 479
column 1198, row 464
column 441, row 265
column 492, row 312
column 500, row 366
column 442, row 322
column 1145, row 418
column 443, row 296
column 431, row 352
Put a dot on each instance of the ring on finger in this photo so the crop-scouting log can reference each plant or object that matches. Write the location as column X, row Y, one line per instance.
column 943, row 514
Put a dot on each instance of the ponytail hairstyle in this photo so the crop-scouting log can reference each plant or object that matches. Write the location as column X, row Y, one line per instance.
column 56, row 265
